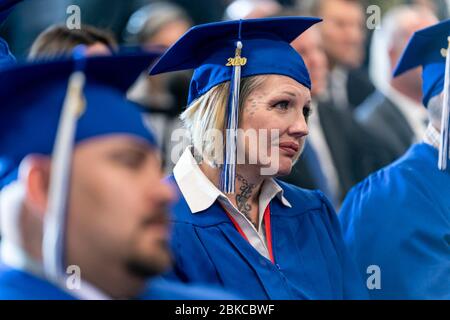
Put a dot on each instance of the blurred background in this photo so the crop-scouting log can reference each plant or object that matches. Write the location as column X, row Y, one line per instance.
column 362, row 119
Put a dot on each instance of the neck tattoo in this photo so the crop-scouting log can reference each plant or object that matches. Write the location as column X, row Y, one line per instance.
column 243, row 196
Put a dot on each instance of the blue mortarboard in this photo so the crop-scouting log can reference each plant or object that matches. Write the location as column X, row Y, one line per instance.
column 430, row 48
column 6, row 57
column 32, row 97
column 427, row 48
column 266, row 46
column 231, row 50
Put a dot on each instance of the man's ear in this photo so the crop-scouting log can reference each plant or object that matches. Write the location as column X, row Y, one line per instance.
column 35, row 172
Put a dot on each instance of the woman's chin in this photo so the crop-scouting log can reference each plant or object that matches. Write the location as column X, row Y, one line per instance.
column 285, row 167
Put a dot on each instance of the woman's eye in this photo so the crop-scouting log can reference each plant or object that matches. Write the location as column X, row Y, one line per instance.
column 307, row 111
column 283, row 105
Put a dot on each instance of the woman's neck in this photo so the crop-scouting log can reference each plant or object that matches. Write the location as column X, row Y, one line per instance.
column 248, row 186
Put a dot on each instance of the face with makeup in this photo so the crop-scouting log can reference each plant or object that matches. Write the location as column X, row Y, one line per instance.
column 277, row 111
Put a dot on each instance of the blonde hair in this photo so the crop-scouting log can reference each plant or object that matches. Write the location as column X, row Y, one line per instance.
column 205, row 118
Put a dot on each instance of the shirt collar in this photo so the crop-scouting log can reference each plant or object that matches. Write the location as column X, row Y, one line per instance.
column 200, row 193
column 432, row 136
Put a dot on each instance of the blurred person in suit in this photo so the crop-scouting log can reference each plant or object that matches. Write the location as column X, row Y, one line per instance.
column 344, row 35
column 393, row 113
column 338, row 149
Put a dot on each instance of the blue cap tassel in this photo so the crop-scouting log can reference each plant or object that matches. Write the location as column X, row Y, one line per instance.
column 444, row 148
column 55, row 218
column 229, row 166
column 228, row 174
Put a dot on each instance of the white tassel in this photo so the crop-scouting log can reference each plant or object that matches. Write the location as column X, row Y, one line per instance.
column 444, row 143
column 55, row 218
column 229, row 167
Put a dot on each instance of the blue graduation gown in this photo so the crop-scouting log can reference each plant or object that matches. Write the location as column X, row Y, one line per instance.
column 399, row 220
column 311, row 261
column 20, row 285
column 16, row 284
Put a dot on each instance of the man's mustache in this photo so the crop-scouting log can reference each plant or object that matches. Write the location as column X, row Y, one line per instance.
column 160, row 216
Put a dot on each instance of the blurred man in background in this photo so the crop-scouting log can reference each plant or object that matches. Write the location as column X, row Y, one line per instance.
column 338, row 149
column 344, row 34
column 393, row 113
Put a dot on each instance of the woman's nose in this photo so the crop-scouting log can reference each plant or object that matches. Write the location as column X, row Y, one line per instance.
column 299, row 127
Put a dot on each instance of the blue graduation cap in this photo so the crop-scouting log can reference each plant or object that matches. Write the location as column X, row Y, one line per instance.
column 47, row 107
column 6, row 57
column 429, row 48
column 231, row 50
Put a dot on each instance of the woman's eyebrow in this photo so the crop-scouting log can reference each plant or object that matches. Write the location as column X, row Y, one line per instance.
column 290, row 93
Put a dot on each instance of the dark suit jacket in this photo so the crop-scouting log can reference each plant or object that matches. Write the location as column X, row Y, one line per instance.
column 359, row 87
column 382, row 118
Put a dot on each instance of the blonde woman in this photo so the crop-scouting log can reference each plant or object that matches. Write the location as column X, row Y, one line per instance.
column 235, row 224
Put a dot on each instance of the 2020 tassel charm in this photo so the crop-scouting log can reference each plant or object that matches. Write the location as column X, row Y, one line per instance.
column 228, row 174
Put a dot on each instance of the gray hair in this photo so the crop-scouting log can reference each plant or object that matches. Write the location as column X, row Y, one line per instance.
column 388, row 36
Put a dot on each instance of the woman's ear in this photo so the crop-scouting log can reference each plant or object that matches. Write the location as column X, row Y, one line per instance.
column 35, row 172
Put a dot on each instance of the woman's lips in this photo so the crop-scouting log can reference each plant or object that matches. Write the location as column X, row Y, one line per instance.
column 291, row 148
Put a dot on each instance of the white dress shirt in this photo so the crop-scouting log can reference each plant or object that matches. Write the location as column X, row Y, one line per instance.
column 200, row 194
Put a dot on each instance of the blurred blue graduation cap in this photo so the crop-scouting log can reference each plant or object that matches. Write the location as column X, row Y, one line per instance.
column 33, row 95
column 6, row 57
column 430, row 49
column 231, row 50
column 48, row 107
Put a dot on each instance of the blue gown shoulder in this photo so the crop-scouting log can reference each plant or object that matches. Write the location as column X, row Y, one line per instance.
column 398, row 219
column 19, row 285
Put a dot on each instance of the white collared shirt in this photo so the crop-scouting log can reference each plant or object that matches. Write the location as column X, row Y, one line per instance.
column 200, row 194
column 414, row 112
column 432, row 136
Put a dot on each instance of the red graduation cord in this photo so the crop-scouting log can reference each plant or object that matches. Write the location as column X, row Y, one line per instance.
column 267, row 226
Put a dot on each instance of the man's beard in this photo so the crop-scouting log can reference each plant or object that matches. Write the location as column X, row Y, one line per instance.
column 149, row 267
